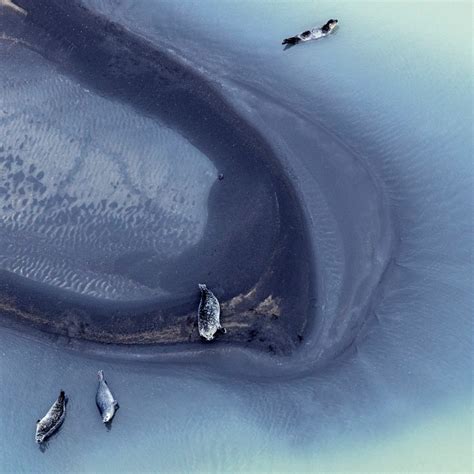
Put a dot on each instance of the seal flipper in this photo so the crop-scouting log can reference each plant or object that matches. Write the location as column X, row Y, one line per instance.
column 291, row 41
column 62, row 398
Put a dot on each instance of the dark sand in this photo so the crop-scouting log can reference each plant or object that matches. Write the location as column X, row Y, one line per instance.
column 255, row 253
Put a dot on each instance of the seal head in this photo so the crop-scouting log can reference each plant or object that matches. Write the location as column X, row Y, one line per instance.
column 329, row 26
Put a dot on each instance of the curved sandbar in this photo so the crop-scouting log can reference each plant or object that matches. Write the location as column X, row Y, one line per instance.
column 255, row 253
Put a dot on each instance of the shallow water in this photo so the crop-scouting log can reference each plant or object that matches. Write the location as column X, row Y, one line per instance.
column 373, row 127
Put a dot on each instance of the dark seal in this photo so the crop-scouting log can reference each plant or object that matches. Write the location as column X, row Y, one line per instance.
column 53, row 420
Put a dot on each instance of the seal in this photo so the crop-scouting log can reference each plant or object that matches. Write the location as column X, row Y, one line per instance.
column 313, row 34
column 104, row 399
column 52, row 421
column 209, row 314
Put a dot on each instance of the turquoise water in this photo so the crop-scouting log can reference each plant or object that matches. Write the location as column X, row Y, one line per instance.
column 390, row 93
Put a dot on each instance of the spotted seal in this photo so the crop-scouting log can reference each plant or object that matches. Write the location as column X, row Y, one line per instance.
column 104, row 399
column 312, row 34
column 209, row 314
column 52, row 421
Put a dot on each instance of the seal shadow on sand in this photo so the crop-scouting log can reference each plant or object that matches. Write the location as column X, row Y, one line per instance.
column 44, row 446
column 108, row 425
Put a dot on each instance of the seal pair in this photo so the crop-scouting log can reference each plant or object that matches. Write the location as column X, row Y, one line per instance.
column 54, row 418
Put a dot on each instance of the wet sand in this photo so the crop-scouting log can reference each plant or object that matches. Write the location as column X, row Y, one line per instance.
column 255, row 254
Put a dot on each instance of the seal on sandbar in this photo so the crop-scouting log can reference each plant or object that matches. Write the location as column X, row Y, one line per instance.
column 104, row 399
column 52, row 421
column 209, row 314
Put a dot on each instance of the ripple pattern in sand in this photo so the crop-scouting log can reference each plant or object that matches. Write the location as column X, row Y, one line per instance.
column 73, row 206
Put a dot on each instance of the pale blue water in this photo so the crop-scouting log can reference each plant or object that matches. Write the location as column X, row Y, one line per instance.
column 374, row 125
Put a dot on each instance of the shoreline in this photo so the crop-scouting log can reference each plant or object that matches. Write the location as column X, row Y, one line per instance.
column 255, row 211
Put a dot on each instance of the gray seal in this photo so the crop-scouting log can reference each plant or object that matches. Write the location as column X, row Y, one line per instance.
column 209, row 314
column 52, row 421
column 104, row 399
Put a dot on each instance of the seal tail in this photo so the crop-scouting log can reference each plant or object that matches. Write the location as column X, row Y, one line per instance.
column 62, row 396
column 13, row 6
column 100, row 375
column 291, row 41
column 202, row 287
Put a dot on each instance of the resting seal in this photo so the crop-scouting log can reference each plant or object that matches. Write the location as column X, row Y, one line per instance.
column 313, row 34
column 209, row 314
column 52, row 421
column 104, row 399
